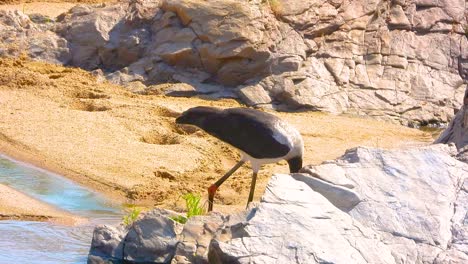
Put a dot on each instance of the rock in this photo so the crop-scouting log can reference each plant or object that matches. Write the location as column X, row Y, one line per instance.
column 397, row 61
column 21, row 35
column 88, row 30
column 307, row 229
column 398, row 18
column 412, row 201
column 254, row 95
column 196, row 236
column 369, row 206
column 107, row 243
column 151, row 238
column 460, row 220
column 336, row 56
column 338, row 69
column 457, row 131
column 398, row 184
column 331, row 173
column 343, row 198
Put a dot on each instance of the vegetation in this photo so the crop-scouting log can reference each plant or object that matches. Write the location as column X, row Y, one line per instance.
column 192, row 203
column 275, row 6
column 132, row 216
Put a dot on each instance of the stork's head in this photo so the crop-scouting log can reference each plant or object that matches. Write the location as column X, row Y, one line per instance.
column 295, row 164
column 196, row 115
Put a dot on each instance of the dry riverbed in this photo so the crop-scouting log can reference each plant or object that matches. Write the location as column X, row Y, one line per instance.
column 127, row 145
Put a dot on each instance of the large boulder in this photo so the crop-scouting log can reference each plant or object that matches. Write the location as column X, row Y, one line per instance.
column 150, row 239
column 295, row 224
column 227, row 40
column 412, row 209
column 369, row 206
column 32, row 36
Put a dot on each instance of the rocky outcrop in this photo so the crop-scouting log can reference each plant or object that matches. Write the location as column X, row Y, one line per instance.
column 457, row 131
column 369, row 206
column 379, row 58
column 398, row 60
column 152, row 239
column 295, row 224
column 409, row 211
column 33, row 35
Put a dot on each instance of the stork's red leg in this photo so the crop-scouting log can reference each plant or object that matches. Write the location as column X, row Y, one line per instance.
column 212, row 189
column 211, row 193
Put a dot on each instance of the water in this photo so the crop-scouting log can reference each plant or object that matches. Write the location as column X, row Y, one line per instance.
column 38, row 242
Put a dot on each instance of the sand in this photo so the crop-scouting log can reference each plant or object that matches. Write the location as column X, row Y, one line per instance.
column 51, row 8
column 128, row 147
column 16, row 205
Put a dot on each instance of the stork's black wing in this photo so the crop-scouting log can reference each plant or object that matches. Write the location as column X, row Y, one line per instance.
column 248, row 130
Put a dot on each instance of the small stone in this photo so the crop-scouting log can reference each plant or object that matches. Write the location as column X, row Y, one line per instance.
column 254, row 94
column 398, row 18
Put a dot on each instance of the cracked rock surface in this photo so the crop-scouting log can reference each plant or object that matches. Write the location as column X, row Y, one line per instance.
column 412, row 209
column 457, row 131
column 405, row 61
column 306, row 228
column 369, row 206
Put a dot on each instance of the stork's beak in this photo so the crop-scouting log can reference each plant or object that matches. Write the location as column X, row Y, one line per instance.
column 180, row 119
column 295, row 164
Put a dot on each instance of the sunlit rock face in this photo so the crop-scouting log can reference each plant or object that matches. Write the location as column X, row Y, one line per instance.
column 397, row 60
column 410, row 207
column 368, row 206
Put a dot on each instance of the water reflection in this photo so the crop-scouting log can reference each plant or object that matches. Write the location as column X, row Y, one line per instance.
column 36, row 242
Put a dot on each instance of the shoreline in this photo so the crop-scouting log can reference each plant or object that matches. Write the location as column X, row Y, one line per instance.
column 18, row 206
column 22, row 154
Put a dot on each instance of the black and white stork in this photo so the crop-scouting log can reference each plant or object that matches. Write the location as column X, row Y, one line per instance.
column 260, row 137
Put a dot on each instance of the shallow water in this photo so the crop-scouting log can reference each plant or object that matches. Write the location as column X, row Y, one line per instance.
column 37, row 242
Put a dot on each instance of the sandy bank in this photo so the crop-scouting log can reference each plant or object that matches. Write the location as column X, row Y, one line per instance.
column 127, row 145
column 18, row 206
column 51, row 8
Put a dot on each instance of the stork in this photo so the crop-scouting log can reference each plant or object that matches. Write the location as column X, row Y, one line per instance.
column 260, row 138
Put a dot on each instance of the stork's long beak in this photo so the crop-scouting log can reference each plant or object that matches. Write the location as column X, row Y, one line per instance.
column 295, row 164
column 180, row 119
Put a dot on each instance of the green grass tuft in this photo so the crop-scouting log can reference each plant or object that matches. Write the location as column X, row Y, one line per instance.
column 132, row 216
column 192, row 203
column 179, row 219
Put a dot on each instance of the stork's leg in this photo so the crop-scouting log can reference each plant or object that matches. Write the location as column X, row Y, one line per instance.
column 252, row 188
column 215, row 186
